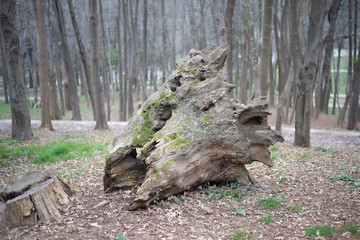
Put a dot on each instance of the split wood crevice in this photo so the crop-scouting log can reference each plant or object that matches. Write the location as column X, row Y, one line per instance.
column 36, row 197
column 190, row 132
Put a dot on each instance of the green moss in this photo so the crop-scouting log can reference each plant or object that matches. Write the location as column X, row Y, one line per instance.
column 206, row 118
column 178, row 141
column 180, row 68
column 145, row 132
column 193, row 71
column 167, row 165
column 198, row 83
column 164, row 97
column 155, row 174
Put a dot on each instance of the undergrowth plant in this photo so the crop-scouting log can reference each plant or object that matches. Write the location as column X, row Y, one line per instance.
column 270, row 203
column 320, row 230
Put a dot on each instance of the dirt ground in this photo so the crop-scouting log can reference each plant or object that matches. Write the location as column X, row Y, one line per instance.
column 312, row 186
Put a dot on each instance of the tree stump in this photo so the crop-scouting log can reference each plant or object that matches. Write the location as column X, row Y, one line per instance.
column 190, row 132
column 38, row 196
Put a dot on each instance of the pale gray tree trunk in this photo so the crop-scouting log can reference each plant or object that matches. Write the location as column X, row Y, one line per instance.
column 307, row 74
column 4, row 70
column 106, row 77
column 228, row 23
column 20, row 117
column 266, row 47
column 74, row 100
column 122, row 114
column 100, row 118
column 350, row 79
column 84, row 58
column 354, row 101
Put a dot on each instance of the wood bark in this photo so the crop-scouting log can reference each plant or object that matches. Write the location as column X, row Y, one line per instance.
column 126, row 58
column 44, row 67
column 84, row 57
column 100, row 118
column 36, row 197
column 4, row 70
column 189, row 133
column 20, row 117
column 122, row 114
column 354, row 101
column 326, row 69
column 266, row 48
column 106, row 77
column 228, row 24
column 59, row 79
column 307, row 74
column 74, row 99
column 350, row 79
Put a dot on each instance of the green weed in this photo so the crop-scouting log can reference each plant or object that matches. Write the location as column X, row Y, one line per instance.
column 269, row 203
column 320, row 149
column 320, row 230
column 237, row 195
column 346, row 178
column 273, row 148
column 295, row 208
column 274, row 156
column 350, row 228
column 239, row 234
column 267, row 220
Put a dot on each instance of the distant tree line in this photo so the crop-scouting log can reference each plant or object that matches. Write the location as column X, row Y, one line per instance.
column 127, row 48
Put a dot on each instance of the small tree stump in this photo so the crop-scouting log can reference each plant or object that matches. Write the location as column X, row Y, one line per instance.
column 190, row 132
column 38, row 196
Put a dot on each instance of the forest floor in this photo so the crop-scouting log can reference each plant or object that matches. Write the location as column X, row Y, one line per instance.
column 318, row 186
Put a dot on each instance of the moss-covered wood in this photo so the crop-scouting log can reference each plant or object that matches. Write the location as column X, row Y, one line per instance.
column 190, row 132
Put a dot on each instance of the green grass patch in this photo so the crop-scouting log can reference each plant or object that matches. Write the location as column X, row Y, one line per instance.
column 295, row 208
column 267, row 220
column 320, row 230
column 273, row 149
column 52, row 152
column 269, row 203
column 350, row 228
column 238, row 195
column 239, row 234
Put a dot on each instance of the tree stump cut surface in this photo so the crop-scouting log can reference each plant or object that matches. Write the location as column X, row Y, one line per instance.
column 38, row 196
column 190, row 132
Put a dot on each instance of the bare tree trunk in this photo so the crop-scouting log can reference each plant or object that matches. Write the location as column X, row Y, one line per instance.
column 122, row 114
column 145, row 63
column 306, row 78
column 138, row 62
column 83, row 55
column 219, row 22
column 202, row 41
column 354, row 101
column 21, row 128
column 4, row 70
column 106, row 77
column 228, row 23
column 59, row 78
column 329, row 48
column 266, row 47
column 67, row 61
column 339, row 47
column 350, row 78
column 164, row 44
column 100, row 118
column 44, row 67
column 126, row 58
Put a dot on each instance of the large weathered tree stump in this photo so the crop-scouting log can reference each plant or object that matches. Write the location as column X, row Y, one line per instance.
column 38, row 196
column 190, row 132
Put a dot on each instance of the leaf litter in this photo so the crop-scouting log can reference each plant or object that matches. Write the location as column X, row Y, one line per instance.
column 306, row 178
